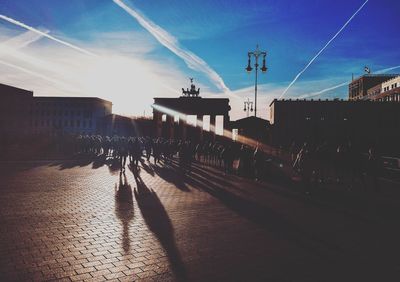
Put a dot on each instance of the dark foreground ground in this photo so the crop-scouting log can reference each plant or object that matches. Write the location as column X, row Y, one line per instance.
column 83, row 220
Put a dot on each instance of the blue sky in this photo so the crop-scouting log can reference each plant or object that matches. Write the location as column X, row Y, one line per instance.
column 217, row 32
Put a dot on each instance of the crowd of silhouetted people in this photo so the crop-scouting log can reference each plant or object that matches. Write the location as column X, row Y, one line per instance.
column 343, row 164
column 230, row 156
column 316, row 165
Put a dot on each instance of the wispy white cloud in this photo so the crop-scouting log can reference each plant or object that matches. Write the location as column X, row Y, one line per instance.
column 36, row 74
column 323, row 48
column 45, row 34
column 170, row 42
column 129, row 78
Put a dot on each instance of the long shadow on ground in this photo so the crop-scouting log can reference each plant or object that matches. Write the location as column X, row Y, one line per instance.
column 171, row 175
column 159, row 223
column 124, row 208
column 263, row 216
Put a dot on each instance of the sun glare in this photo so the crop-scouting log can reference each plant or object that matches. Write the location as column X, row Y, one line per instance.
column 122, row 81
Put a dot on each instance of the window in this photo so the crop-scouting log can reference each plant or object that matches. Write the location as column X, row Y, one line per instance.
column 78, row 123
column 71, row 123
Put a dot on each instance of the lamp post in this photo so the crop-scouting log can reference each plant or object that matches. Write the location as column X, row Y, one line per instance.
column 248, row 106
column 257, row 53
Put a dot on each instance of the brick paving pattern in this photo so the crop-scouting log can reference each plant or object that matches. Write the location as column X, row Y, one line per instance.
column 84, row 221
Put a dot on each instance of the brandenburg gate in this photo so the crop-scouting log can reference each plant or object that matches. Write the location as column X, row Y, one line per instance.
column 186, row 117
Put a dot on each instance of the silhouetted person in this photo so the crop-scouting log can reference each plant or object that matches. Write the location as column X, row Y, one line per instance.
column 340, row 162
column 137, row 152
column 148, row 145
column 303, row 166
column 293, row 151
column 228, row 156
column 355, row 165
column 373, row 167
column 322, row 162
column 123, row 152
column 244, row 161
column 259, row 160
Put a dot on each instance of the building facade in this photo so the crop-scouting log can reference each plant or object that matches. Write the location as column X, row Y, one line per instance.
column 388, row 91
column 358, row 88
column 253, row 128
column 15, row 110
column 365, row 123
column 68, row 115
column 22, row 114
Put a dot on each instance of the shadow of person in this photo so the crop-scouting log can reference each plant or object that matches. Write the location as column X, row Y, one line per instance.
column 114, row 165
column 266, row 217
column 81, row 161
column 172, row 175
column 124, row 208
column 158, row 222
column 99, row 161
column 147, row 168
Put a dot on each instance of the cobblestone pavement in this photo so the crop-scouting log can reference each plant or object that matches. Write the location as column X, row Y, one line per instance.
column 83, row 220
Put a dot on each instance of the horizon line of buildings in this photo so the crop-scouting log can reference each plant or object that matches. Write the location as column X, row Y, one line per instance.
column 22, row 113
column 369, row 117
column 371, row 114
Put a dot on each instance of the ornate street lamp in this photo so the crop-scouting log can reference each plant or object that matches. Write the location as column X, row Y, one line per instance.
column 257, row 53
column 248, row 106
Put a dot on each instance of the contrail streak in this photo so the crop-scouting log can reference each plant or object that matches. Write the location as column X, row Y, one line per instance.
column 170, row 42
column 49, row 79
column 388, row 69
column 324, row 90
column 23, row 39
column 18, row 23
column 342, row 84
column 323, row 48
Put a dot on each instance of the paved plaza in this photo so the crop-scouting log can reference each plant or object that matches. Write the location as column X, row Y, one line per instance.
column 84, row 220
